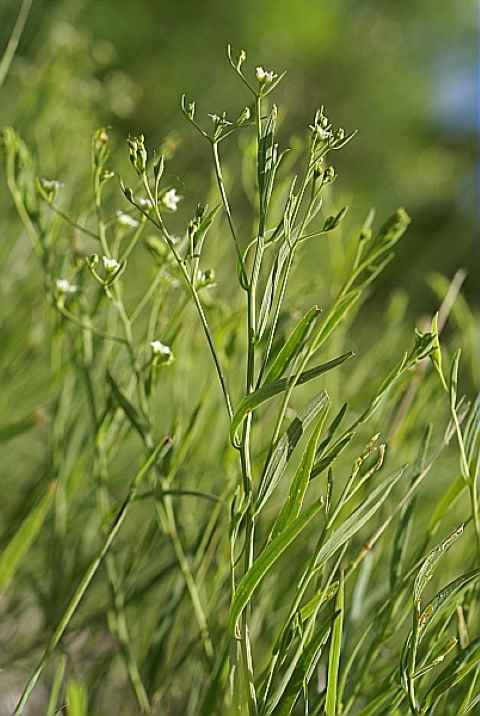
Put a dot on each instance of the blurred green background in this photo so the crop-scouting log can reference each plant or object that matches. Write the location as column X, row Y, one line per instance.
column 402, row 73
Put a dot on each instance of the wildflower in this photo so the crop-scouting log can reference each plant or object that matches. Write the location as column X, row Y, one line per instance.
column 162, row 354
column 170, row 199
column 49, row 188
column 126, row 219
column 110, row 264
column 64, row 286
column 144, row 202
column 265, row 77
column 51, row 184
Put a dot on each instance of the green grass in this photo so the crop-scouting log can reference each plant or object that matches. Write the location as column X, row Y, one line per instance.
column 231, row 479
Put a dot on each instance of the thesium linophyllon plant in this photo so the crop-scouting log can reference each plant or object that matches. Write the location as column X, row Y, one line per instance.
column 167, row 520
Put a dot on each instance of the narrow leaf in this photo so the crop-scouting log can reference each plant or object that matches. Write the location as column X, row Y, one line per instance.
column 334, row 654
column 298, row 488
column 292, row 345
column 137, row 421
column 358, row 518
column 21, row 541
column 253, row 400
column 266, row 560
column 279, row 459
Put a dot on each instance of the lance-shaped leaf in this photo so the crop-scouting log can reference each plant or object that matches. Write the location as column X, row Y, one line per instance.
column 271, row 287
column 253, row 400
column 427, row 569
column 358, row 518
column 303, row 671
column 137, row 421
column 292, row 345
column 267, row 559
column 443, row 599
column 279, row 459
column 298, row 488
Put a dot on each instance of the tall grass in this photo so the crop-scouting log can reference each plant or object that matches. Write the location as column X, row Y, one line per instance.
column 234, row 512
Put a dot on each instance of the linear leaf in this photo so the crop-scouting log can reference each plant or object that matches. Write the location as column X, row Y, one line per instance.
column 298, row 488
column 358, row 518
column 334, row 653
column 20, row 543
column 446, row 502
column 443, row 599
column 303, row 670
column 265, row 561
column 277, row 464
column 137, row 421
column 427, row 569
column 253, row 400
column 292, row 345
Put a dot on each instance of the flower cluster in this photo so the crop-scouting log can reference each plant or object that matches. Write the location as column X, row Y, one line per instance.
column 265, row 77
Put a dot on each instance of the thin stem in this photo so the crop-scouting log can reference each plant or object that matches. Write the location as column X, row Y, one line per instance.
column 12, row 44
column 181, row 265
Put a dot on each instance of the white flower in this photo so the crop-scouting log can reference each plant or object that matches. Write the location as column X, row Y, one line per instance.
column 64, row 286
column 170, row 199
column 144, row 202
column 110, row 265
column 161, row 352
column 265, row 76
column 51, row 184
column 126, row 219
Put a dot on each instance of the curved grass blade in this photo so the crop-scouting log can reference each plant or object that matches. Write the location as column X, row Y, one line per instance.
column 21, row 541
column 266, row 560
column 292, row 345
column 278, row 461
column 253, row 400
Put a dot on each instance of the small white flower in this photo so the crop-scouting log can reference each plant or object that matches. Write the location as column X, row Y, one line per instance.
column 144, row 202
column 110, row 265
column 265, row 76
column 64, row 286
column 170, row 199
column 161, row 352
column 51, row 184
column 126, row 219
